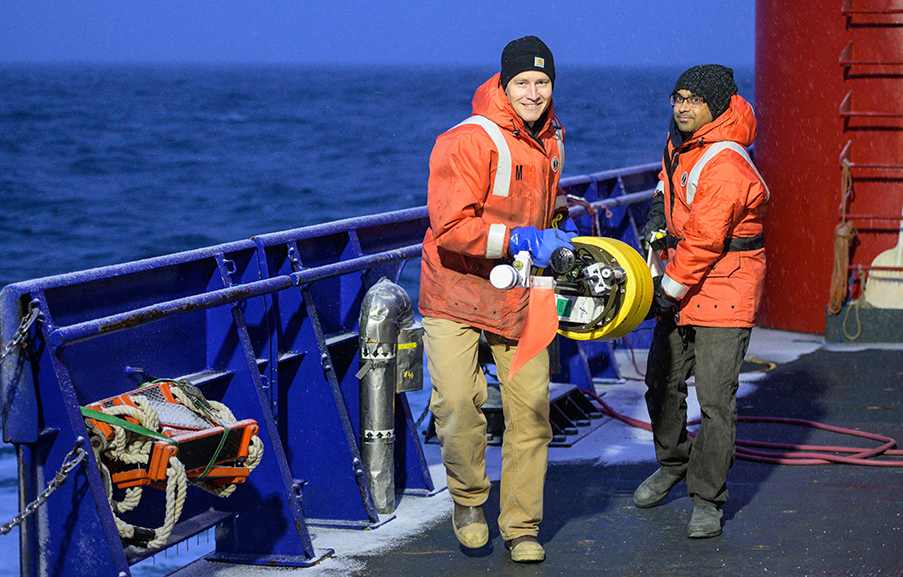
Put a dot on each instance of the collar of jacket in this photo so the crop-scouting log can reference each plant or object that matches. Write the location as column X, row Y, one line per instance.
column 681, row 139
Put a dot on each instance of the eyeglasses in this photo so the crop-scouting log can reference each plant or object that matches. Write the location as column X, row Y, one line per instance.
column 694, row 101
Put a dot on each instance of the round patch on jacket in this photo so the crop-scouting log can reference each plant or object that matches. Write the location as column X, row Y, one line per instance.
column 683, row 179
column 555, row 164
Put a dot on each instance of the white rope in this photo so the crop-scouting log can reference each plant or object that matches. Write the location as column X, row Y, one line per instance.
column 127, row 446
column 130, row 501
column 225, row 416
column 176, row 486
column 255, row 453
column 134, row 448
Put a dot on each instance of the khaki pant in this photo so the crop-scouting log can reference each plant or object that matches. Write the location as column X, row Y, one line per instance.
column 459, row 391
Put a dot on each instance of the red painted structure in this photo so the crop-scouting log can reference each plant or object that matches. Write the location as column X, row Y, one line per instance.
column 829, row 82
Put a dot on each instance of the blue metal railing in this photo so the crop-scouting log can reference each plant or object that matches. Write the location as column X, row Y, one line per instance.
column 267, row 326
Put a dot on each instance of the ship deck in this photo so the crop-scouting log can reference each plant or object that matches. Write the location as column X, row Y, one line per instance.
column 784, row 520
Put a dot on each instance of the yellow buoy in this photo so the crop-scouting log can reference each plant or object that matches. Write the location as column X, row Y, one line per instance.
column 634, row 291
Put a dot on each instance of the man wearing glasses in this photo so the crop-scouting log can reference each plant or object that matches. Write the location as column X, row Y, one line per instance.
column 706, row 218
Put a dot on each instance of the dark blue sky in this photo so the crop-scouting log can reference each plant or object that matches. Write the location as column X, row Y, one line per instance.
column 589, row 32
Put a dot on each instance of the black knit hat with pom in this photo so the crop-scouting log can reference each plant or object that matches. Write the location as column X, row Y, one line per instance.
column 713, row 82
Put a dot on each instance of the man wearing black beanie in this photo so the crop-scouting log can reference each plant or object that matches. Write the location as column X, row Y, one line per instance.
column 527, row 53
column 706, row 217
column 493, row 193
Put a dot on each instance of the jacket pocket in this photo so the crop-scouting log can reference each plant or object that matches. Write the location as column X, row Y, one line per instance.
column 472, row 299
column 725, row 266
column 720, row 300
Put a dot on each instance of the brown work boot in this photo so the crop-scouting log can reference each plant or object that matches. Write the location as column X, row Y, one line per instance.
column 470, row 526
column 526, row 549
column 654, row 489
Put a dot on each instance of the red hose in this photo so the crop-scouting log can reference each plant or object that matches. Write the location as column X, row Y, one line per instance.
column 790, row 454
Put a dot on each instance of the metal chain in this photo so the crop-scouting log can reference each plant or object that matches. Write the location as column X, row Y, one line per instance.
column 72, row 460
column 426, row 411
column 21, row 334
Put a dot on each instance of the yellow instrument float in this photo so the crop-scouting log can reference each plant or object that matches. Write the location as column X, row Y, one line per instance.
column 603, row 289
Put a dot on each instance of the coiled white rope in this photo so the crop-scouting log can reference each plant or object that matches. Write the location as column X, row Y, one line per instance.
column 134, row 448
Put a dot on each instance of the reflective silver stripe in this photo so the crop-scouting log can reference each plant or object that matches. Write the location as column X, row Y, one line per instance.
column 674, row 288
column 542, row 282
column 503, row 172
column 495, row 242
column 693, row 180
column 561, row 201
column 660, row 188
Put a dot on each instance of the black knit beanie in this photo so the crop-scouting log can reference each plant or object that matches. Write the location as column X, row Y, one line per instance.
column 713, row 82
column 527, row 53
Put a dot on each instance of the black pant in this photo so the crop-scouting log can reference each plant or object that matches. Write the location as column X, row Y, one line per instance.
column 714, row 355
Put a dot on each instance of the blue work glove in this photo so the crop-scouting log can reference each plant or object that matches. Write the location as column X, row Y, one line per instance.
column 539, row 243
column 663, row 305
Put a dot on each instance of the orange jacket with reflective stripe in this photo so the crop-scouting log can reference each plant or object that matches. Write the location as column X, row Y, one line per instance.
column 717, row 288
column 471, row 215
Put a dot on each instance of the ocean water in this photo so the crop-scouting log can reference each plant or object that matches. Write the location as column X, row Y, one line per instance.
column 108, row 164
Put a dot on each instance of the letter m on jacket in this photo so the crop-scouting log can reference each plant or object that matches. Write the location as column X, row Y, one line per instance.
column 519, row 172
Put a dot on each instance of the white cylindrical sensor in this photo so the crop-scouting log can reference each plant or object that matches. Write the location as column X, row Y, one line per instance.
column 503, row 276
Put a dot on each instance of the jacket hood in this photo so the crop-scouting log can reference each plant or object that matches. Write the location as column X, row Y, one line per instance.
column 737, row 124
column 492, row 102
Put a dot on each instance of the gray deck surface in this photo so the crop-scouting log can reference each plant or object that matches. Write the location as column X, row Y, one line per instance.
column 781, row 520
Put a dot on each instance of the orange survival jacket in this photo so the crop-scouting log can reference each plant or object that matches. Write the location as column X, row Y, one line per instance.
column 718, row 266
column 471, row 216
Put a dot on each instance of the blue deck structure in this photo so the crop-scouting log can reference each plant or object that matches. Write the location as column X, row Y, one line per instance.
column 268, row 327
